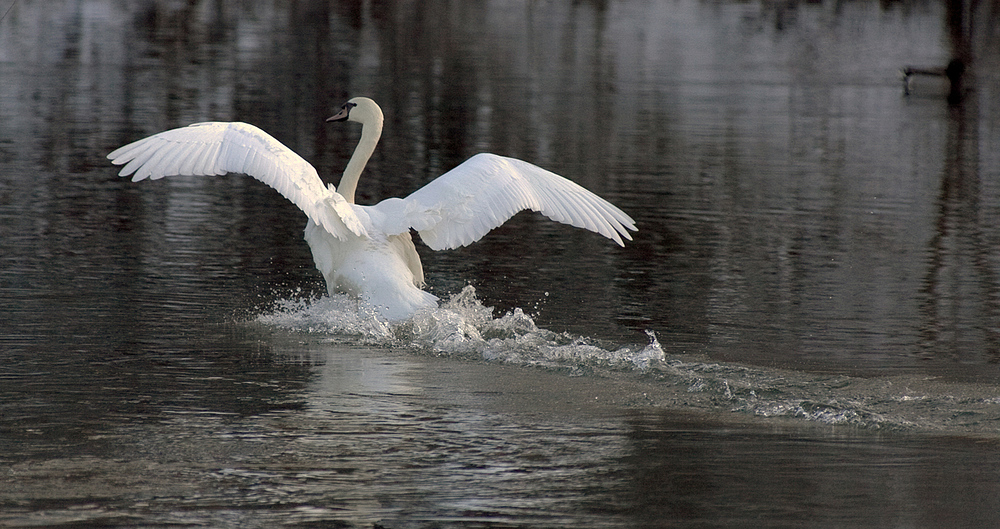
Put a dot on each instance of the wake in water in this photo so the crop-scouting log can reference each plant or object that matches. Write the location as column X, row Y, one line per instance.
column 464, row 328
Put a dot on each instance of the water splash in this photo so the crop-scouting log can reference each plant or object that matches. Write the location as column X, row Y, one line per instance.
column 461, row 327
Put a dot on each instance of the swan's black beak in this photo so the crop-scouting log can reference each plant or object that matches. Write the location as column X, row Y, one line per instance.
column 345, row 112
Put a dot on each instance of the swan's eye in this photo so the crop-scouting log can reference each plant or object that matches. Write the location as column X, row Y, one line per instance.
column 348, row 106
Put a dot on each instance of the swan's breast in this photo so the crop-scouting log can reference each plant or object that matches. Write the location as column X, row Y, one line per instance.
column 359, row 265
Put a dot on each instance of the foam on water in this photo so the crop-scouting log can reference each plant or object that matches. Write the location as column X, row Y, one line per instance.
column 463, row 327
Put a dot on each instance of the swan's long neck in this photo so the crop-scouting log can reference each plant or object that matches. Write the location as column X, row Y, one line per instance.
column 370, row 133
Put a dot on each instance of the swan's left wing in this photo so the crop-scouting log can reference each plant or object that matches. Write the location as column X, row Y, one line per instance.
column 217, row 148
column 464, row 204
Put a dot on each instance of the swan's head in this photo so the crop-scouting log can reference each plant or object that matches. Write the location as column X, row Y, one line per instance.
column 359, row 109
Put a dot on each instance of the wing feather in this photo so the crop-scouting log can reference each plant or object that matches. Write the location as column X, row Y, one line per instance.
column 586, row 213
column 464, row 204
column 206, row 162
column 217, row 148
column 184, row 158
column 136, row 162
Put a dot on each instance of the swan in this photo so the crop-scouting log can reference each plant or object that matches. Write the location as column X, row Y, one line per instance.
column 367, row 251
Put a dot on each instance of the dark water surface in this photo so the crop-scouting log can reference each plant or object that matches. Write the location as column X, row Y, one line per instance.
column 803, row 333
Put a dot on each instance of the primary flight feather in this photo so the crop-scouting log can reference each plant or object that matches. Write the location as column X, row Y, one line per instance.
column 367, row 251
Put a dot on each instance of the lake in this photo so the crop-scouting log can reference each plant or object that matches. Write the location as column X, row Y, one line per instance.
column 803, row 332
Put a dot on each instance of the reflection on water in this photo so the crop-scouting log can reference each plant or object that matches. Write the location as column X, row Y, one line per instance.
column 798, row 215
column 798, row 210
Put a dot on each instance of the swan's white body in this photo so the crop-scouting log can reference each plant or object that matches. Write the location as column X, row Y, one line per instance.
column 366, row 251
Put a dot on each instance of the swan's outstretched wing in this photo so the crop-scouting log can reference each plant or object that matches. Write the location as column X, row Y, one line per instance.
column 218, row 148
column 464, row 204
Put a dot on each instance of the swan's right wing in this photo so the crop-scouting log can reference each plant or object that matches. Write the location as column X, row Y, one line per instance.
column 218, row 148
column 464, row 204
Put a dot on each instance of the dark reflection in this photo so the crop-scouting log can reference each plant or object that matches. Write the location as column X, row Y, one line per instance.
column 961, row 289
column 62, row 398
column 681, row 474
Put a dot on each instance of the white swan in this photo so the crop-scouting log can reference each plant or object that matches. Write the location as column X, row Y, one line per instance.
column 366, row 251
